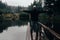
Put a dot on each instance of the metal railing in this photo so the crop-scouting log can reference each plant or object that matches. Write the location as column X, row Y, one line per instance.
column 50, row 30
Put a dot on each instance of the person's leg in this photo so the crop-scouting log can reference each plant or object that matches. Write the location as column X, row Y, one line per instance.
column 31, row 32
column 36, row 29
column 36, row 35
column 39, row 32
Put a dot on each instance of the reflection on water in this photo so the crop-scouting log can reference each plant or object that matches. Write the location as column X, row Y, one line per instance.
column 4, row 24
column 14, row 33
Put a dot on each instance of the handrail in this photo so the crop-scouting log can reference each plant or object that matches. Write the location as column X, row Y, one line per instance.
column 51, row 31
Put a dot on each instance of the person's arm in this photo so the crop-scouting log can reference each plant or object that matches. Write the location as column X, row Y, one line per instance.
column 27, row 11
column 42, row 11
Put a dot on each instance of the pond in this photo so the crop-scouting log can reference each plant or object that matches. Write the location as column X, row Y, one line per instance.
column 14, row 33
column 4, row 24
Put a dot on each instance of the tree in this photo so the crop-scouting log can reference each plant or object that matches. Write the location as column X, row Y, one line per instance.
column 2, row 7
column 53, row 8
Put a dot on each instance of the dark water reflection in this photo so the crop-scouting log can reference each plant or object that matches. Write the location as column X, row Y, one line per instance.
column 4, row 24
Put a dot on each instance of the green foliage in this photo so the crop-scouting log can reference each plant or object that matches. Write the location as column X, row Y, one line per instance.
column 56, row 19
column 2, row 7
column 43, row 18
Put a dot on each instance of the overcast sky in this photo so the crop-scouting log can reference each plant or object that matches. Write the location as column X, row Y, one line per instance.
column 24, row 3
column 18, row 2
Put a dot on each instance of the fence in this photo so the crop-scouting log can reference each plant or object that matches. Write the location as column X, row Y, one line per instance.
column 50, row 30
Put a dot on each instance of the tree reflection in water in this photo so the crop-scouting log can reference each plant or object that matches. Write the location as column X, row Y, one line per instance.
column 8, row 23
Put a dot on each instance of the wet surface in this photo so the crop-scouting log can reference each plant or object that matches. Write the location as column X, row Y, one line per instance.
column 14, row 33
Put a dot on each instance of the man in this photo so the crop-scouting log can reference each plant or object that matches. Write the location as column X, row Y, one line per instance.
column 34, row 22
column 33, row 14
